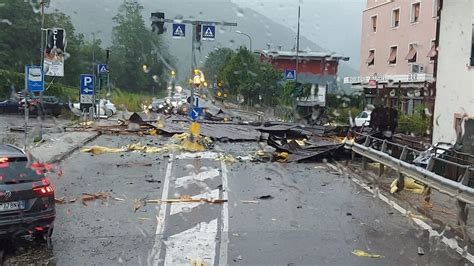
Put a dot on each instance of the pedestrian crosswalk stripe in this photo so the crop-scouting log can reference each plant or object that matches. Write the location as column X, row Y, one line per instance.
column 178, row 208
column 195, row 244
column 186, row 180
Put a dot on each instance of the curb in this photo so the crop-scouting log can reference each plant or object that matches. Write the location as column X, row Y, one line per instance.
column 64, row 155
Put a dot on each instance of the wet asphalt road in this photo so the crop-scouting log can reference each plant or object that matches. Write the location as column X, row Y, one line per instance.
column 309, row 215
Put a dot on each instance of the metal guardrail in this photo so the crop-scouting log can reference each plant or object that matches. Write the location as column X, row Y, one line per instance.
column 384, row 152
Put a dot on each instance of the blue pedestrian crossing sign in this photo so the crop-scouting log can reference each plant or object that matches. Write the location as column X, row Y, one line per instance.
column 179, row 30
column 290, row 74
column 102, row 69
column 208, row 32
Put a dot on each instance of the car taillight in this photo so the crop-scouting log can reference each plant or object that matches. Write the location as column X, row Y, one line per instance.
column 44, row 190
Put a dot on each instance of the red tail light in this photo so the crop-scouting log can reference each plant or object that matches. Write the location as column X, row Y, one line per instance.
column 44, row 190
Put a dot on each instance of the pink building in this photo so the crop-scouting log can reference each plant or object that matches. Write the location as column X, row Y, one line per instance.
column 398, row 52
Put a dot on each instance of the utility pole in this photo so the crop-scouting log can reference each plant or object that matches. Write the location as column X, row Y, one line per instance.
column 298, row 44
column 107, row 56
column 40, row 109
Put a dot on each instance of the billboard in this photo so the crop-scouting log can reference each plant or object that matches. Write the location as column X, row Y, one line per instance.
column 53, row 63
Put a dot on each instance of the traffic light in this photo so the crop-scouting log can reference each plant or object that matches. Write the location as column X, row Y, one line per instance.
column 198, row 32
column 157, row 23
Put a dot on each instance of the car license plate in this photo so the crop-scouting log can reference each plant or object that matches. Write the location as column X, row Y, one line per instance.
column 12, row 206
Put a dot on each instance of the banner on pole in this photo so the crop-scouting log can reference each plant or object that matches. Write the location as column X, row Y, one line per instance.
column 53, row 63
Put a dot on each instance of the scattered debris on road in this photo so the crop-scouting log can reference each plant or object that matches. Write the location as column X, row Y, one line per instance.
column 250, row 201
column 229, row 159
column 60, row 200
column 186, row 199
column 266, row 197
column 410, row 184
column 104, row 196
column 361, row 253
column 134, row 164
column 421, row 252
column 136, row 204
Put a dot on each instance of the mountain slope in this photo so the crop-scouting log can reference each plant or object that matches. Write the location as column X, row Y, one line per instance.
column 92, row 16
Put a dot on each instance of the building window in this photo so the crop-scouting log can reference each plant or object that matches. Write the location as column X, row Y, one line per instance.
column 373, row 23
column 369, row 100
column 432, row 53
column 392, row 59
column 411, row 56
column 395, row 18
column 415, row 12
column 371, row 59
column 435, row 8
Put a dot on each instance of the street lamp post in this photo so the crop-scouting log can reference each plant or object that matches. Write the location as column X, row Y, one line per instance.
column 250, row 38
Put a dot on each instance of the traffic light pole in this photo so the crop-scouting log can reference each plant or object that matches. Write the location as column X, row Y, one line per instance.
column 194, row 24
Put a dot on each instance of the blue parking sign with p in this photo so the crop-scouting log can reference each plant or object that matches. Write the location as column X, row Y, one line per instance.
column 87, row 84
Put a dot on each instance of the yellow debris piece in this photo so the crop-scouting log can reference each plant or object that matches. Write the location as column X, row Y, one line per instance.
column 154, row 132
column 132, row 147
column 189, row 145
column 101, row 150
column 361, row 253
column 282, row 157
column 300, row 142
column 226, row 158
column 86, row 123
column 410, row 185
column 181, row 137
column 146, row 149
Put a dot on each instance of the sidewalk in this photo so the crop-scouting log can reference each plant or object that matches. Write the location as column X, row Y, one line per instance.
column 61, row 145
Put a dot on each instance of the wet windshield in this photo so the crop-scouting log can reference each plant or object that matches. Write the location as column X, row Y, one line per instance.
column 237, row 132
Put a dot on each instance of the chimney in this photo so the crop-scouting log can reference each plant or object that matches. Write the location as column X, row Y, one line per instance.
column 279, row 47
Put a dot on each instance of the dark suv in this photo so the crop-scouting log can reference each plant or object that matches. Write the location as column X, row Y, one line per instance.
column 26, row 197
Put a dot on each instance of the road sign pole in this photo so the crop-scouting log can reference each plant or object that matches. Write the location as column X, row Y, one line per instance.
column 26, row 108
column 41, row 109
column 193, row 55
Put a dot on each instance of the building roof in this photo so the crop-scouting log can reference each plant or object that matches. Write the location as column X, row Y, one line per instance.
column 302, row 54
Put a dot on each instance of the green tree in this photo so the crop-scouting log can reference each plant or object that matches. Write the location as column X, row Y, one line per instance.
column 19, row 35
column 215, row 61
column 245, row 74
column 134, row 62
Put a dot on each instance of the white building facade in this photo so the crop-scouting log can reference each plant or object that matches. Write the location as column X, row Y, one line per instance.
column 455, row 73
